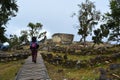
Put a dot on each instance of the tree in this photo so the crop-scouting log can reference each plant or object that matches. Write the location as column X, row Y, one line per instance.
column 99, row 34
column 24, row 36
column 113, row 21
column 97, row 39
column 2, row 37
column 8, row 9
column 88, row 17
column 34, row 29
column 14, row 41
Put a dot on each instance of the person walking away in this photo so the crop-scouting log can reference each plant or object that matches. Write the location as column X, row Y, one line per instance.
column 34, row 49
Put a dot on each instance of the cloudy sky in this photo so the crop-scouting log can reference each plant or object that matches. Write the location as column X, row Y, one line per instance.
column 55, row 15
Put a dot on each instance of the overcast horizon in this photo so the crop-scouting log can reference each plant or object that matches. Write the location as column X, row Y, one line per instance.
column 55, row 15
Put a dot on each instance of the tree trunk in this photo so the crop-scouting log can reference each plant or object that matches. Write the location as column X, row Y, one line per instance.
column 93, row 45
column 84, row 41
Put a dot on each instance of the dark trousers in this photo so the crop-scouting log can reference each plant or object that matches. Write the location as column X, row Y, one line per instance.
column 34, row 55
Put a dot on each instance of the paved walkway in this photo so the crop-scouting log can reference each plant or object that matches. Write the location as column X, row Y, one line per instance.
column 33, row 71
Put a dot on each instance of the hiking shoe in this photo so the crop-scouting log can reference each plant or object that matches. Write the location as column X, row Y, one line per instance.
column 34, row 61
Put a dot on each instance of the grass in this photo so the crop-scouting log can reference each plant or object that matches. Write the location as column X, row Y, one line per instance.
column 71, row 74
column 9, row 70
column 61, row 73
column 75, row 57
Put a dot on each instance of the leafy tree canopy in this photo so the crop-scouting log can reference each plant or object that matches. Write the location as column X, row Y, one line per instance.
column 112, row 20
column 8, row 9
column 88, row 17
column 34, row 29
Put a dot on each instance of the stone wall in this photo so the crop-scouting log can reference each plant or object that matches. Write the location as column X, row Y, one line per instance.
column 62, row 38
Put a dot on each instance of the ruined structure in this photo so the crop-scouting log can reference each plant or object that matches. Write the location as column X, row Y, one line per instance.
column 62, row 38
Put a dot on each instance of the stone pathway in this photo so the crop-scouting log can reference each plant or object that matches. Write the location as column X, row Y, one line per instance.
column 33, row 71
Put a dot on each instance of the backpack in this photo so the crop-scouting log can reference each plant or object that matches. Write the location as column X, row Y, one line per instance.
column 34, row 45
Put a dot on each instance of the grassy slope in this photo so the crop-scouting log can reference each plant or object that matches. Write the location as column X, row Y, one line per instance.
column 76, row 74
column 8, row 70
column 71, row 74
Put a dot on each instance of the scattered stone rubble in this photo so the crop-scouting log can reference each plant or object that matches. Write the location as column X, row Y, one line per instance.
column 111, row 73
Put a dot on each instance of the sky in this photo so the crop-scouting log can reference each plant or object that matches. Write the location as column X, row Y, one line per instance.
column 54, row 15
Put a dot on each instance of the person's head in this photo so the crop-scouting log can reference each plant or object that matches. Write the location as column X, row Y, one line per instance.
column 34, row 39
